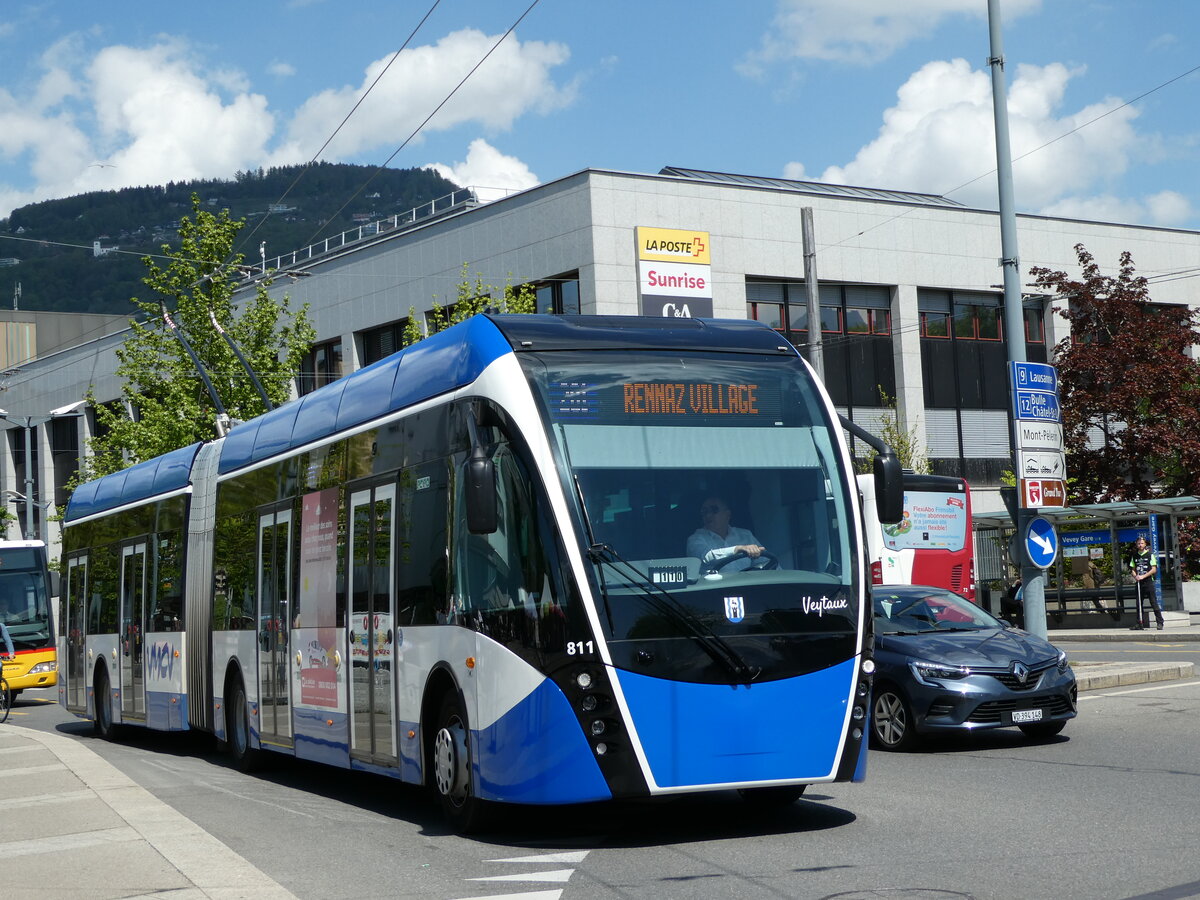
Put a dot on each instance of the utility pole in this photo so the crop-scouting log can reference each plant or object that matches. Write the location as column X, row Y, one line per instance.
column 1033, row 579
column 815, row 352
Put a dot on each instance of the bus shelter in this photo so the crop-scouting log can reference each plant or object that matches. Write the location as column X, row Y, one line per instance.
column 1089, row 585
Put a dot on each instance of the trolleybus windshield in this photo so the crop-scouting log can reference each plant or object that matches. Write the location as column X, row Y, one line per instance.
column 651, row 440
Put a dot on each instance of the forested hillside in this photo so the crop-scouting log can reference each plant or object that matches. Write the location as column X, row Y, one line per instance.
column 53, row 240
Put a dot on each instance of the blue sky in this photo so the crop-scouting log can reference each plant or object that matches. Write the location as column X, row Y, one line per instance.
column 867, row 92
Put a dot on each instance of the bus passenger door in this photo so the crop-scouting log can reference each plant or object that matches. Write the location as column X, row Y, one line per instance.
column 274, row 626
column 133, row 631
column 75, row 667
column 372, row 632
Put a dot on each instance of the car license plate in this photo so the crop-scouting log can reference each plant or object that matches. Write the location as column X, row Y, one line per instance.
column 1026, row 715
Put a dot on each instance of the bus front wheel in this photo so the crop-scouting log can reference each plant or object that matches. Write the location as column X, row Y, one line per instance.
column 452, row 769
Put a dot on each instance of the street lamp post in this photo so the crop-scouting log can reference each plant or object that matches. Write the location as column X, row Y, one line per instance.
column 28, row 423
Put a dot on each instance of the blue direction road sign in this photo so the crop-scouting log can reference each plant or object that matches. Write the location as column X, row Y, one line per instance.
column 1030, row 376
column 1041, row 542
column 1037, row 406
column 1035, row 392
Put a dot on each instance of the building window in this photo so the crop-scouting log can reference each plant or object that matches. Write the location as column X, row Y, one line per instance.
column 558, row 295
column 382, row 341
column 768, row 313
column 64, row 452
column 935, row 325
column 856, row 327
column 1035, row 330
column 320, row 366
column 964, row 367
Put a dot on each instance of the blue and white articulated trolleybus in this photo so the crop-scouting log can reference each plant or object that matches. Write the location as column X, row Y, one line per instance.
column 530, row 559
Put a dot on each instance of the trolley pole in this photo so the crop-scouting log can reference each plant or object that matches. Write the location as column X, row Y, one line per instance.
column 1033, row 585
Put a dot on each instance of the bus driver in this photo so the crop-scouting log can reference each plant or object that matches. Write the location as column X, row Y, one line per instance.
column 716, row 539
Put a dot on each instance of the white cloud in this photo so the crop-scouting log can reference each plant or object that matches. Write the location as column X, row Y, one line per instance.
column 1169, row 208
column 125, row 117
column 514, row 80
column 795, row 171
column 162, row 120
column 281, row 69
column 486, row 167
column 1166, row 209
column 859, row 31
column 939, row 138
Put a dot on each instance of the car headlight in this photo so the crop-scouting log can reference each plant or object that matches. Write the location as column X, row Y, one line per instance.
column 929, row 673
column 1062, row 660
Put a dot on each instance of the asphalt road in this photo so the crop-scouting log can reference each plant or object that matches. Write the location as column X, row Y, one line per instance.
column 1106, row 810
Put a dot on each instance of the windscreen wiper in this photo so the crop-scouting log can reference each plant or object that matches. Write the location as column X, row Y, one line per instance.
column 717, row 648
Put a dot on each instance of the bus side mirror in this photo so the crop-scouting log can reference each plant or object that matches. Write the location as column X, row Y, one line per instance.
column 889, row 488
column 55, row 583
column 481, row 496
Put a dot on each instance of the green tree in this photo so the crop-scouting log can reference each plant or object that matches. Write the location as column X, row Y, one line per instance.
column 170, row 404
column 906, row 443
column 472, row 297
column 1130, row 392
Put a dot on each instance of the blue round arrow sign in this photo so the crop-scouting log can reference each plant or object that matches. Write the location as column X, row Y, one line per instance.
column 1041, row 542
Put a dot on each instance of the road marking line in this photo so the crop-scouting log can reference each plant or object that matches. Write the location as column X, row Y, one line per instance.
column 31, row 770
column 559, row 875
column 575, row 856
column 525, row 895
column 67, row 842
column 43, row 799
column 1159, row 687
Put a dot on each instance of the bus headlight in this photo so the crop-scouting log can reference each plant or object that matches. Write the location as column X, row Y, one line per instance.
column 43, row 667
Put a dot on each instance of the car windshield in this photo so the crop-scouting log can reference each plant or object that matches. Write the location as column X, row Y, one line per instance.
column 917, row 610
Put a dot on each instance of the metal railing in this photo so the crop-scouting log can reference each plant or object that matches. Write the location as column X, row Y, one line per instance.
column 465, row 198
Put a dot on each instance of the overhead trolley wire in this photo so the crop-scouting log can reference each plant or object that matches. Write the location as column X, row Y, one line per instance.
column 342, row 124
column 427, row 119
column 1038, row 149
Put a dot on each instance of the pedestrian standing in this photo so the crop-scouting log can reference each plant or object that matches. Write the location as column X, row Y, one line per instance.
column 1144, row 567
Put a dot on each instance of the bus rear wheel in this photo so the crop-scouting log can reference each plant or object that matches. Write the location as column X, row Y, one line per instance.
column 452, row 770
column 237, row 728
column 102, row 696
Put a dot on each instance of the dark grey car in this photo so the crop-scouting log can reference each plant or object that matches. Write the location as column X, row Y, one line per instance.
column 945, row 665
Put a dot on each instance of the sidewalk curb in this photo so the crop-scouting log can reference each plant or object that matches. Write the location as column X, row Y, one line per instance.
column 214, row 869
column 1104, row 676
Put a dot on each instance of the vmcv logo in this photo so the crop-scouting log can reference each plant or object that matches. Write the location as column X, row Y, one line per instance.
column 160, row 660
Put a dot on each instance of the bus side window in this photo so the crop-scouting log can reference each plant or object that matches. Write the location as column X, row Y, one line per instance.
column 422, row 596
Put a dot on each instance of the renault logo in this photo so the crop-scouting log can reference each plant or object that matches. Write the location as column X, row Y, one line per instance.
column 1021, row 671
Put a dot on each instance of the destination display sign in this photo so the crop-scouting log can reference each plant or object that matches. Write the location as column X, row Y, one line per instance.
column 665, row 402
column 1035, row 392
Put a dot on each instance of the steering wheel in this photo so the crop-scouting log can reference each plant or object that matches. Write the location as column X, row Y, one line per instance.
column 769, row 560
